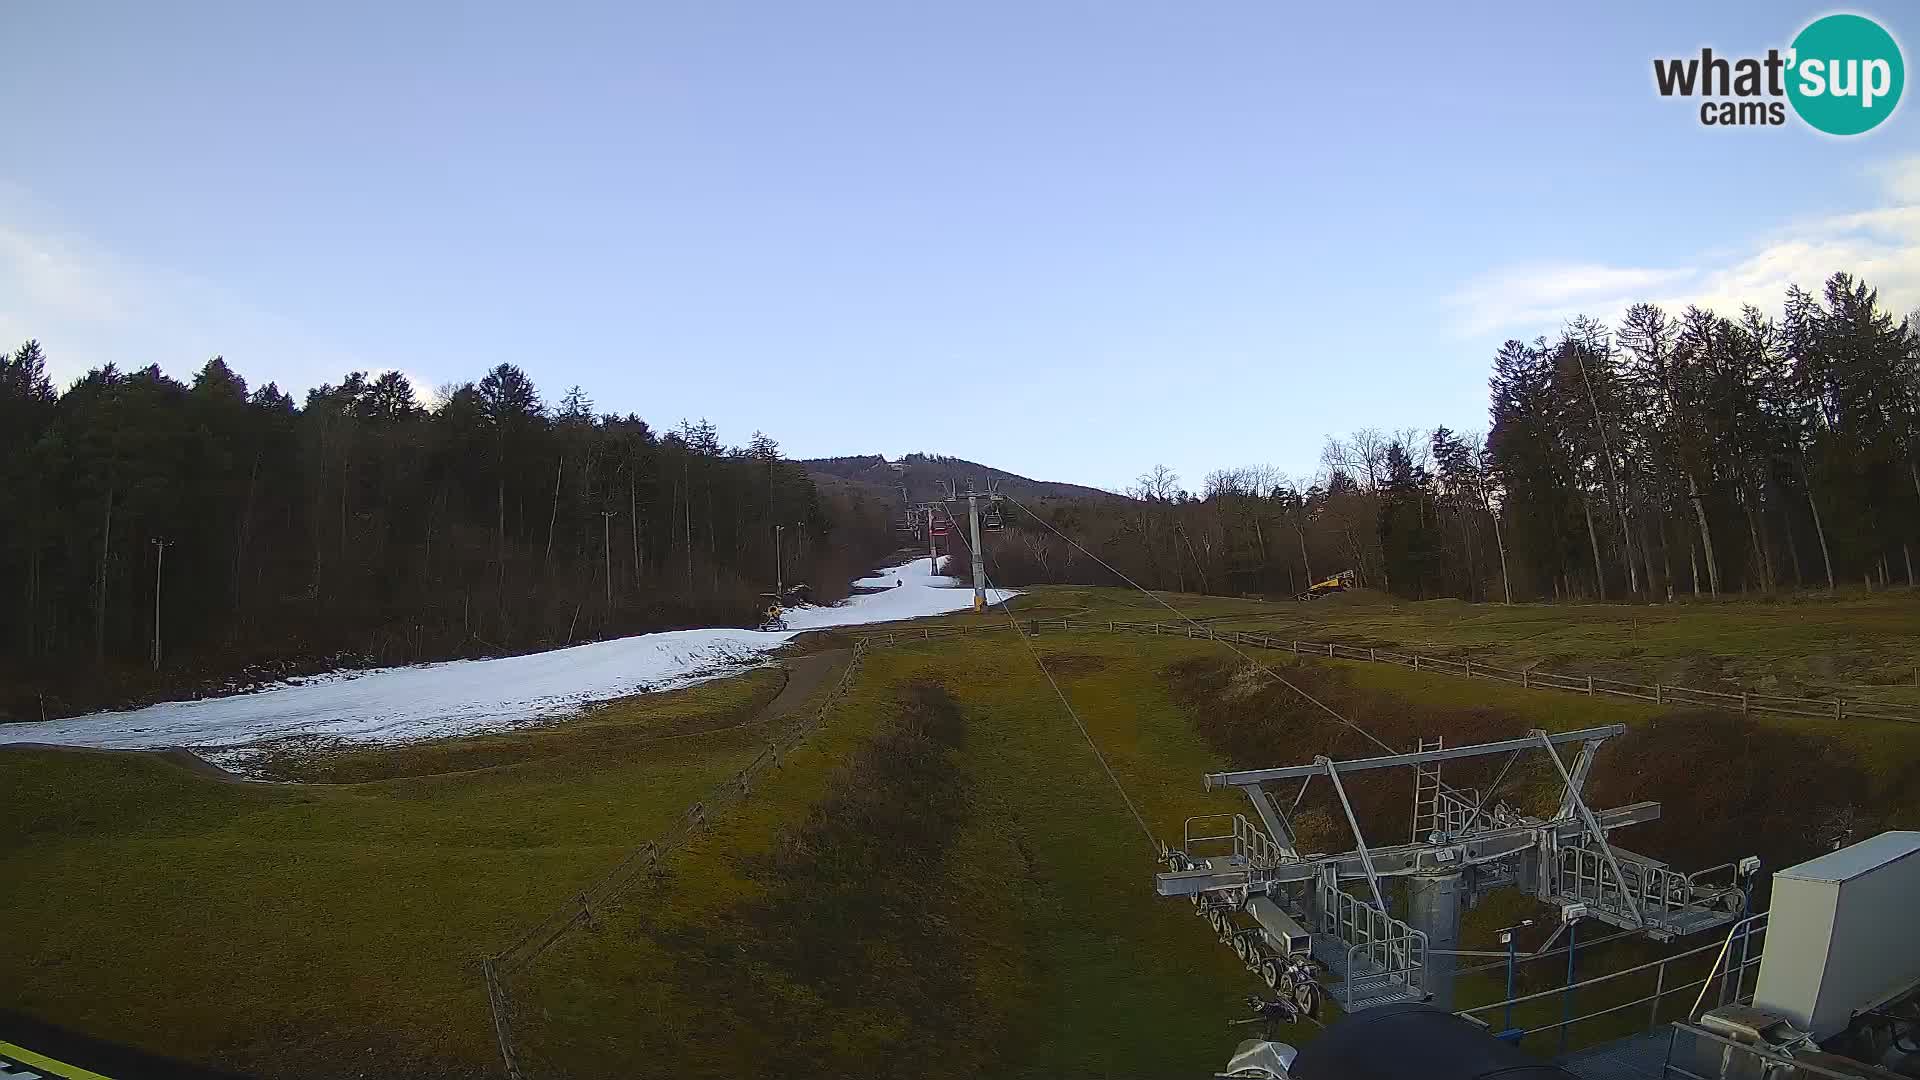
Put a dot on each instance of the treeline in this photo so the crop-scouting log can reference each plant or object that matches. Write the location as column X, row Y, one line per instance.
column 1697, row 455
column 161, row 535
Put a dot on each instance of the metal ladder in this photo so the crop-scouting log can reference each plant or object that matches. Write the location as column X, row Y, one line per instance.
column 1426, row 792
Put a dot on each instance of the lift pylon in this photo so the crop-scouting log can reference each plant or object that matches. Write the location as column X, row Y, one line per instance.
column 1327, row 916
column 974, row 499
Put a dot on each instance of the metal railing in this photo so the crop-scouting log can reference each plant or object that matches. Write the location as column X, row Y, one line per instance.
column 1454, row 810
column 1694, row 1053
column 1390, row 948
column 1250, row 845
column 1661, row 893
column 1746, row 701
column 1724, row 964
column 1188, row 841
column 1745, row 931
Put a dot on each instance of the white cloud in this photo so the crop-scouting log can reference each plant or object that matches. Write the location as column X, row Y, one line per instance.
column 89, row 307
column 1546, row 293
column 1900, row 177
column 54, row 280
column 1880, row 245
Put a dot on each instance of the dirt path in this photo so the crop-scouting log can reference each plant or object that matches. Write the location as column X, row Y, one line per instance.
column 805, row 674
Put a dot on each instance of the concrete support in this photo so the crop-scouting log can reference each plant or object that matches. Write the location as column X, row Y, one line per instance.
column 1434, row 903
column 979, row 569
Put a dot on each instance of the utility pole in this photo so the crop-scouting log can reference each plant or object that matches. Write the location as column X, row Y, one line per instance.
column 159, row 556
column 606, row 543
column 933, row 546
column 779, row 585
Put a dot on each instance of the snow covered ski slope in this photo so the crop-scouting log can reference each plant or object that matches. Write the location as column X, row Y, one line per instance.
column 464, row 697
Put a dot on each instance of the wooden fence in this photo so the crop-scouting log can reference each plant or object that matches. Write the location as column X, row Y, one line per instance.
column 1746, row 701
column 580, row 909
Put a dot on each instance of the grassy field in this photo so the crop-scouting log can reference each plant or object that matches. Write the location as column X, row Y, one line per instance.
column 1862, row 646
column 1071, row 963
column 940, row 881
column 1075, row 968
column 1865, row 647
column 328, row 930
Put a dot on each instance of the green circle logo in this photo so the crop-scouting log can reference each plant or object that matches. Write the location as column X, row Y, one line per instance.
column 1846, row 74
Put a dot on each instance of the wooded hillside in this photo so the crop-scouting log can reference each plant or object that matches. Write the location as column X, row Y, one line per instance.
column 924, row 476
column 1692, row 455
column 364, row 526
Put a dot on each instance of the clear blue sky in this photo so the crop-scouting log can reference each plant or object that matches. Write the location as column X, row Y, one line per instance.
column 1198, row 234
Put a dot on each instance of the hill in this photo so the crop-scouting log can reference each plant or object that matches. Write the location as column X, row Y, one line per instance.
column 924, row 474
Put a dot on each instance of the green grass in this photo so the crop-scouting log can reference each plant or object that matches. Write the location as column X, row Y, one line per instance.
column 610, row 996
column 1864, row 647
column 1886, row 750
column 322, row 930
column 270, row 927
column 1085, row 971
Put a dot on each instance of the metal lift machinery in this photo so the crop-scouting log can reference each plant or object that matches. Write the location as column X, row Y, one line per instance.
column 1314, row 923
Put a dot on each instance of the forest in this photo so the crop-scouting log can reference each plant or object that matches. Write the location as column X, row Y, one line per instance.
column 1666, row 457
column 162, row 537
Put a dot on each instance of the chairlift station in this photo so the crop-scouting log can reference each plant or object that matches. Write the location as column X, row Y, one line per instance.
column 1293, row 916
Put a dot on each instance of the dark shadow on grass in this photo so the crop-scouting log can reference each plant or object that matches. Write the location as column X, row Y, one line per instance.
column 847, row 960
column 1729, row 785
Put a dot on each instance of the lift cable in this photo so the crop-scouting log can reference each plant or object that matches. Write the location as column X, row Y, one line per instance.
column 1321, row 705
column 1014, row 625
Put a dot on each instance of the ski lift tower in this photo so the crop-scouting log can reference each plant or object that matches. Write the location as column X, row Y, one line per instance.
column 1294, row 917
column 974, row 498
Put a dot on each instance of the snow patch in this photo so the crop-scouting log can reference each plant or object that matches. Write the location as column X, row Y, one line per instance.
column 467, row 697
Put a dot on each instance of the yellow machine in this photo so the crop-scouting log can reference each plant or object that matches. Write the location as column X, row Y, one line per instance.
column 774, row 615
column 1339, row 582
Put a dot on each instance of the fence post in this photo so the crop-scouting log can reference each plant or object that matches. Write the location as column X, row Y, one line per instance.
column 1416, row 661
column 1743, row 702
column 1840, row 709
column 1109, row 626
column 1589, row 686
column 1469, row 667
column 1524, row 679
column 1372, row 655
column 1296, row 648
column 1659, row 698
column 1329, row 650
column 496, row 1005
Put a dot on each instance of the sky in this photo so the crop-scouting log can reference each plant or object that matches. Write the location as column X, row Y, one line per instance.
column 1072, row 240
